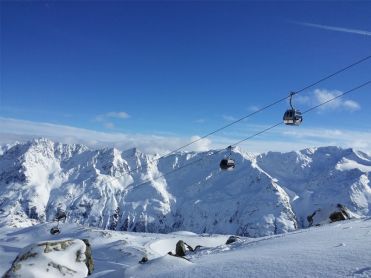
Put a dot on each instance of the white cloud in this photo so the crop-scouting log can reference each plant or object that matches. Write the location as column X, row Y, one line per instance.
column 201, row 145
column 22, row 130
column 334, row 28
column 112, row 115
column 109, row 125
column 278, row 139
column 319, row 96
column 322, row 96
column 118, row 115
column 351, row 105
column 106, row 119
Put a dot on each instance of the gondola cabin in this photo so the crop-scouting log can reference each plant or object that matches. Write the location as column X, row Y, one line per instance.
column 55, row 231
column 292, row 117
column 227, row 164
column 61, row 215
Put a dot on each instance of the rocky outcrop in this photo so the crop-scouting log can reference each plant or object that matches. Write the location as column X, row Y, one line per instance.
column 328, row 214
column 59, row 258
column 341, row 214
column 232, row 239
column 88, row 257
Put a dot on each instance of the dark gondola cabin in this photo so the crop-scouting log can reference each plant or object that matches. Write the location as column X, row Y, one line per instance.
column 61, row 215
column 227, row 164
column 292, row 117
column 55, row 231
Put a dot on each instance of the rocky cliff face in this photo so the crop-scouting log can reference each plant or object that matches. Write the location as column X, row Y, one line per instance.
column 268, row 194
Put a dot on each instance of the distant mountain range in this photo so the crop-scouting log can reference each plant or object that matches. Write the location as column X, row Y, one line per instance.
column 266, row 194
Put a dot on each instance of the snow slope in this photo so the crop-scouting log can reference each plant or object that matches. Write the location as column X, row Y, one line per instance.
column 268, row 194
column 340, row 249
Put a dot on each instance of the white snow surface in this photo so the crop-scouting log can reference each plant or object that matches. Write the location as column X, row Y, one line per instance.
column 340, row 249
column 267, row 194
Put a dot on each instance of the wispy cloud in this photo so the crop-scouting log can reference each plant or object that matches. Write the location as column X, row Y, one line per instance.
column 319, row 96
column 106, row 119
column 322, row 96
column 22, row 130
column 112, row 115
column 278, row 139
column 334, row 28
column 201, row 145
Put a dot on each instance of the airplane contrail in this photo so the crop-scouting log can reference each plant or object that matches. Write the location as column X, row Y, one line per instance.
column 333, row 28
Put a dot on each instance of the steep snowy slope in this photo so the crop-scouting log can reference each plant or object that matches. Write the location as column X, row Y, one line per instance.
column 127, row 191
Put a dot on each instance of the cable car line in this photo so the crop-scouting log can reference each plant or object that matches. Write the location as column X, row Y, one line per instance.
column 274, row 103
column 251, row 136
column 306, row 111
column 333, row 74
column 253, row 113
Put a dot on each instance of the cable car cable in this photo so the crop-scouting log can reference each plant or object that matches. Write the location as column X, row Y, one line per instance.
column 333, row 74
column 306, row 111
column 253, row 113
column 252, row 136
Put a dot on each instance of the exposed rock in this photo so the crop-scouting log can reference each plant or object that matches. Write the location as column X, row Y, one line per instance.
column 89, row 257
column 328, row 214
column 340, row 215
column 180, row 249
column 337, row 216
column 310, row 218
column 232, row 239
column 144, row 259
column 60, row 258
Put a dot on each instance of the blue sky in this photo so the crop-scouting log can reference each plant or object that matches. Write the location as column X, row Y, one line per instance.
column 171, row 71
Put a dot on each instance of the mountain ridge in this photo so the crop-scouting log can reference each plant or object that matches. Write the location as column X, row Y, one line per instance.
column 266, row 194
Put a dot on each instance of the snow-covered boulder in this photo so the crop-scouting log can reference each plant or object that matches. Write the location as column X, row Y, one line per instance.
column 58, row 258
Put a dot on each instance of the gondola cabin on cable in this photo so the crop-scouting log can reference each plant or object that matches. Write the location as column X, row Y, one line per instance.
column 60, row 215
column 55, row 231
column 227, row 163
column 292, row 116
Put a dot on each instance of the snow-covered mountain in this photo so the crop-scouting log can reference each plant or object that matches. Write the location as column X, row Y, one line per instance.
column 266, row 194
